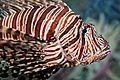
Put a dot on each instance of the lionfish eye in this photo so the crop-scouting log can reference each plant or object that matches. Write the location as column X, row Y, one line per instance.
column 84, row 30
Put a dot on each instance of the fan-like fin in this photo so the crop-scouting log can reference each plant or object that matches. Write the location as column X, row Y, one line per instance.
column 25, row 57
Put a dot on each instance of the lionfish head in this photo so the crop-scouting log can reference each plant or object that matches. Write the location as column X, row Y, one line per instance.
column 95, row 46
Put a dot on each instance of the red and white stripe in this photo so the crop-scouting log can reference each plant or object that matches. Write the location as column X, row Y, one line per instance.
column 62, row 23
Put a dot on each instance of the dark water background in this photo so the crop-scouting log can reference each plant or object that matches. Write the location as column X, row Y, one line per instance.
column 105, row 15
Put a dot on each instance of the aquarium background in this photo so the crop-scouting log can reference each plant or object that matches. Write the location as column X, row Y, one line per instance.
column 105, row 15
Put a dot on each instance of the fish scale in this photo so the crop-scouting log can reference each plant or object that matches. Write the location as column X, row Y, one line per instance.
column 38, row 37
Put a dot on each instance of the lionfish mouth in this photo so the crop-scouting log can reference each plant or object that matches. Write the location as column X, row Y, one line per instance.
column 95, row 58
column 100, row 54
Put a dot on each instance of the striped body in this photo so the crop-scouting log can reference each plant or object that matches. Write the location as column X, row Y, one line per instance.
column 45, row 22
column 67, row 40
column 41, row 21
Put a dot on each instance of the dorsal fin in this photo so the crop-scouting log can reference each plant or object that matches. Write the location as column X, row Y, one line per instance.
column 7, row 6
column 38, row 2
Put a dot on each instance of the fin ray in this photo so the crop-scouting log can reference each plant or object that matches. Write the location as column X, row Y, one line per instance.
column 24, row 57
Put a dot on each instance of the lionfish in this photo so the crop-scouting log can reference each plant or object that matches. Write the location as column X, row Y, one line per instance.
column 38, row 37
